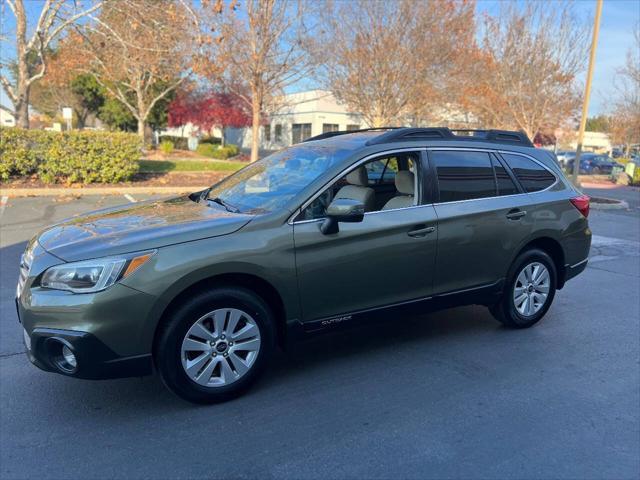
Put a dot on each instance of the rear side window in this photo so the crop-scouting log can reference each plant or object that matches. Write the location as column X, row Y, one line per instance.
column 504, row 180
column 464, row 175
column 533, row 176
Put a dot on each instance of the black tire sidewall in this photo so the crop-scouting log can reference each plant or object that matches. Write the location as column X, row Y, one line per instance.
column 167, row 353
column 512, row 317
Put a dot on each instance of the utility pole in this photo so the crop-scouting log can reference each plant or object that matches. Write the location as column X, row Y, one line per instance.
column 587, row 92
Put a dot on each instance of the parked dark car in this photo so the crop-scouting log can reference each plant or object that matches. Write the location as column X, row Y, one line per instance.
column 594, row 164
column 336, row 231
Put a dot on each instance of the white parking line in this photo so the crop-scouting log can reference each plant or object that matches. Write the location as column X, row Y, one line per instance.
column 130, row 198
column 3, row 204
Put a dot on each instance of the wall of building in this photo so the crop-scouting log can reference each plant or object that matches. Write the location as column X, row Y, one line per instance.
column 6, row 119
column 316, row 108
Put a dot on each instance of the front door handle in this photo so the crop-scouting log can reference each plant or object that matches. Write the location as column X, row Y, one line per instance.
column 516, row 214
column 421, row 232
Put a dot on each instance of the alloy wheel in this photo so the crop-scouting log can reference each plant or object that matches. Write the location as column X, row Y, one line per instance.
column 531, row 290
column 220, row 347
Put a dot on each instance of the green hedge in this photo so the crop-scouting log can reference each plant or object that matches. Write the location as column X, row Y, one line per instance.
column 166, row 146
column 214, row 151
column 69, row 157
column 180, row 143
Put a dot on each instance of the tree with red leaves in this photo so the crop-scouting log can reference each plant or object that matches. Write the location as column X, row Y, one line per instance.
column 208, row 110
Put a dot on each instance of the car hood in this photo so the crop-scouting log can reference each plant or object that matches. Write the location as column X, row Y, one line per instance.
column 140, row 226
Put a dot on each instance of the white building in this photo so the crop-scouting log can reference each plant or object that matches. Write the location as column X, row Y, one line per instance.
column 303, row 115
column 593, row 142
column 6, row 119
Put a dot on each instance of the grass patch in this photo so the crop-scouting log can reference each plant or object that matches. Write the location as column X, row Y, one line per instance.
column 161, row 166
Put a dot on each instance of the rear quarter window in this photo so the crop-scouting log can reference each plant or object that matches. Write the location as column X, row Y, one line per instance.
column 532, row 176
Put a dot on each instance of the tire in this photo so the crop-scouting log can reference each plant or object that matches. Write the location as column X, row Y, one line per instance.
column 596, row 171
column 511, row 314
column 220, row 369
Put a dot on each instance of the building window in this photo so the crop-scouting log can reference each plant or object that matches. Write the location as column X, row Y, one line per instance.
column 352, row 127
column 300, row 132
column 266, row 133
column 330, row 127
column 278, row 133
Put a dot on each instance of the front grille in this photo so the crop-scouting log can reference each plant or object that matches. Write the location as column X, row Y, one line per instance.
column 25, row 265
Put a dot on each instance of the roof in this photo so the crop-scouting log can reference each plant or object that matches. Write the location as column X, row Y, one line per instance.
column 385, row 135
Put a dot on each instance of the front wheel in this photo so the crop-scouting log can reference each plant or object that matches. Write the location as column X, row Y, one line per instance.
column 215, row 345
column 529, row 292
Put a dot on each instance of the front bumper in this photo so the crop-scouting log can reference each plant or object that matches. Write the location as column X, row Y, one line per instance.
column 94, row 359
column 110, row 332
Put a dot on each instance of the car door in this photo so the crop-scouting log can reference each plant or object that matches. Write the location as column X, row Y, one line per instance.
column 482, row 218
column 386, row 259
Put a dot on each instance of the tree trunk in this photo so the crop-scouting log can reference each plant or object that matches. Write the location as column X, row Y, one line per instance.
column 222, row 137
column 22, row 113
column 141, row 129
column 255, row 128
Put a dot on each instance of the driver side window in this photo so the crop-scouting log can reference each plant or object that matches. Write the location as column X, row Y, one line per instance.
column 384, row 183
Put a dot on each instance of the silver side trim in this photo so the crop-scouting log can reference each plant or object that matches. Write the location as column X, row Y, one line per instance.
column 579, row 263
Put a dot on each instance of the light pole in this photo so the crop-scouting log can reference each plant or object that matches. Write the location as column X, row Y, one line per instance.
column 587, row 92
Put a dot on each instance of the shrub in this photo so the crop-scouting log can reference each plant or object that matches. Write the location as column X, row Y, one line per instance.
column 214, row 151
column 206, row 149
column 166, row 146
column 227, row 151
column 179, row 143
column 68, row 157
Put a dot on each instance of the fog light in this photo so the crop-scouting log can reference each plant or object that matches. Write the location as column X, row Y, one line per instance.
column 62, row 356
column 69, row 357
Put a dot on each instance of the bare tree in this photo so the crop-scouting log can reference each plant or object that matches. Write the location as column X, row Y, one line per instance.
column 390, row 61
column 31, row 46
column 625, row 121
column 140, row 50
column 524, row 75
column 263, row 54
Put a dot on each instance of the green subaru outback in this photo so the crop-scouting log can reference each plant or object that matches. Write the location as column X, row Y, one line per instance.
column 341, row 229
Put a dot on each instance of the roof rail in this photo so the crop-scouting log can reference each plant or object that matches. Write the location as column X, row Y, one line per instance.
column 443, row 133
column 344, row 132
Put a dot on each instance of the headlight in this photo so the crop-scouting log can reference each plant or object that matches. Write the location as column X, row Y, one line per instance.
column 92, row 275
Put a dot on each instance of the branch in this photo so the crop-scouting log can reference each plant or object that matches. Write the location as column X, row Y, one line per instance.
column 12, row 7
column 8, row 110
column 8, row 88
column 162, row 95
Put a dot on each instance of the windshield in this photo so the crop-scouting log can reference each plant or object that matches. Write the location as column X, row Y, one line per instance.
column 268, row 184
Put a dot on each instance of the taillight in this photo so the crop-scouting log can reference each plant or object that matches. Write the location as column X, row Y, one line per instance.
column 582, row 204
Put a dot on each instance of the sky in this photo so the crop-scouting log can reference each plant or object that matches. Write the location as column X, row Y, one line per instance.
column 616, row 37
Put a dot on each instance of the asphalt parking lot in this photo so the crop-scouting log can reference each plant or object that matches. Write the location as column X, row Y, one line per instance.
column 445, row 395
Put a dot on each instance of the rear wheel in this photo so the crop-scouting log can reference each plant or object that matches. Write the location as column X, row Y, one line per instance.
column 529, row 292
column 215, row 345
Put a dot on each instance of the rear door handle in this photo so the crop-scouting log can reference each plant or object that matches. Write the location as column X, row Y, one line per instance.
column 516, row 214
column 421, row 232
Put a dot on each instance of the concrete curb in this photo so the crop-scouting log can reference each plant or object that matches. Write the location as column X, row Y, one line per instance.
column 60, row 192
column 612, row 204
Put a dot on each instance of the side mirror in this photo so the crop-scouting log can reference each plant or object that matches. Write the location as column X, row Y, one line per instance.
column 341, row 210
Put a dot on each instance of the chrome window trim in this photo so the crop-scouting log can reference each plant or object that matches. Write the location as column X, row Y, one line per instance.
column 343, row 173
column 482, row 198
column 312, row 220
